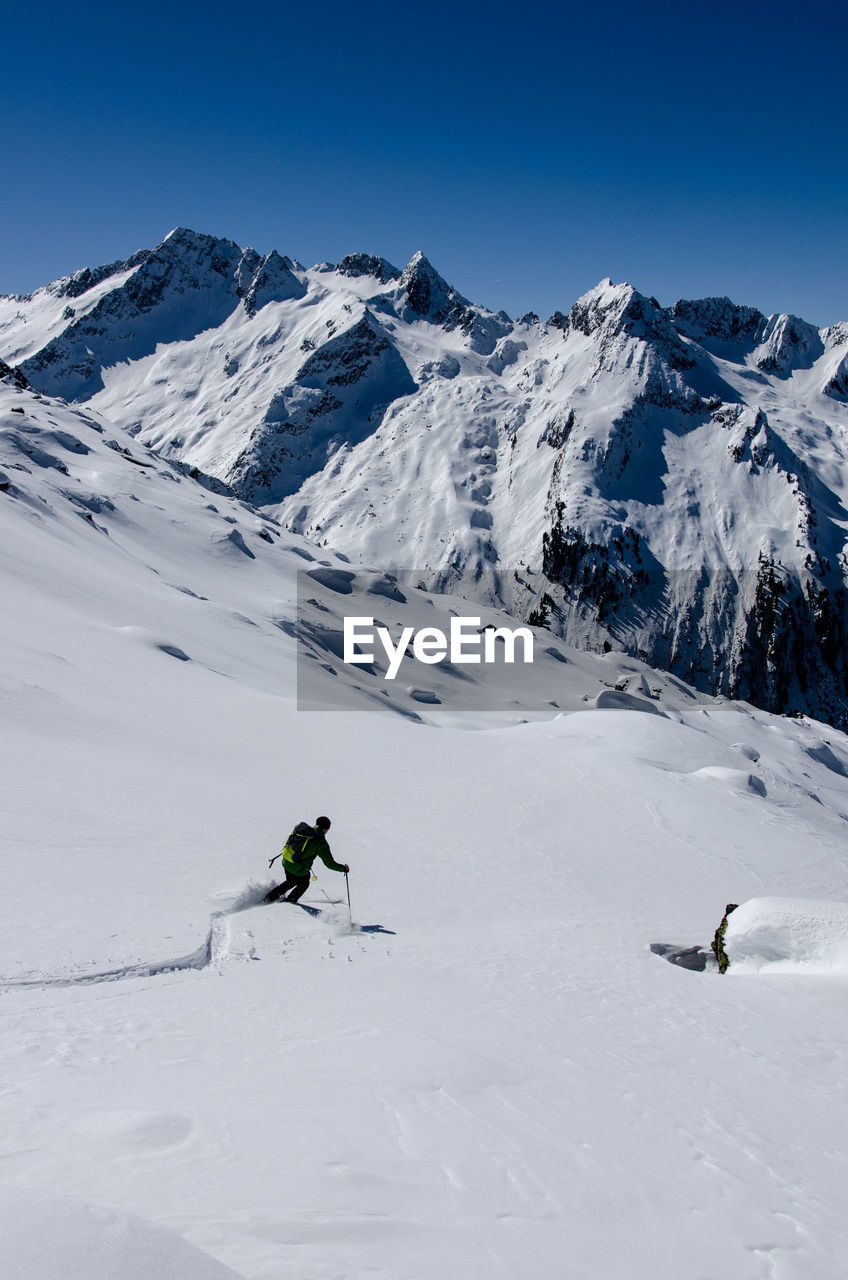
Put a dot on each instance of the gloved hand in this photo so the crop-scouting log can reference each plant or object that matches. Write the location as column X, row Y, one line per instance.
column 346, row 867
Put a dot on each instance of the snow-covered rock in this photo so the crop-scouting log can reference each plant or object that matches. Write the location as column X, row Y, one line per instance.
column 718, row 320
column 613, row 312
column 788, row 343
column 273, row 280
column 788, row 935
column 836, row 365
column 13, row 376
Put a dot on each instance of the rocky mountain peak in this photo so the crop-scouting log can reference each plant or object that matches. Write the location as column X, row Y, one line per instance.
column 367, row 264
column 246, row 270
column 186, row 284
column 427, row 294
column 613, row 311
column 187, row 241
column 788, row 343
column 273, row 280
column 422, row 294
column 614, row 308
column 189, row 254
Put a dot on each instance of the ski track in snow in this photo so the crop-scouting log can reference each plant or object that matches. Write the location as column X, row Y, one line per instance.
column 213, row 952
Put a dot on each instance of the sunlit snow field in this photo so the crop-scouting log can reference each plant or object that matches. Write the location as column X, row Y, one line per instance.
column 490, row 1074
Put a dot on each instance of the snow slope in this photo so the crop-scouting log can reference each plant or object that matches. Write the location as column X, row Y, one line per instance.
column 56, row 1238
column 491, row 1074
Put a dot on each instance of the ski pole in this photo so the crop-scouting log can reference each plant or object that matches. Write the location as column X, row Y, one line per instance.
column 347, row 886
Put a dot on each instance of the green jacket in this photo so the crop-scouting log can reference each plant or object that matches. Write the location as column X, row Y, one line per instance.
column 309, row 843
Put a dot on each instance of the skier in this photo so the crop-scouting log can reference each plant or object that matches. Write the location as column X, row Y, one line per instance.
column 303, row 846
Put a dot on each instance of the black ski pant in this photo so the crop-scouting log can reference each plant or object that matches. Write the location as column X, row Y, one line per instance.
column 292, row 888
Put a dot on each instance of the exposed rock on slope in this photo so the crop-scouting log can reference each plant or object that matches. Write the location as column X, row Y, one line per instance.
column 338, row 397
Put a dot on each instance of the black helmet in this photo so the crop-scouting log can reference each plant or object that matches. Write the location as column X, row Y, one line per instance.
column 323, row 824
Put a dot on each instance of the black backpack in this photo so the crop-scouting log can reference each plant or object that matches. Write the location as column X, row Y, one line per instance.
column 300, row 837
column 297, row 841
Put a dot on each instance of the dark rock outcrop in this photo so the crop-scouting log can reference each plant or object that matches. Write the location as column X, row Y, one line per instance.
column 273, row 280
column 717, row 944
column 367, row 264
column 12, row 374
column 423, row 294
column 184, row 285
column 710, row 320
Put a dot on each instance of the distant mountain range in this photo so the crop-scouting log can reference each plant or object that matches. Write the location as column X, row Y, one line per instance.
column 666, row 481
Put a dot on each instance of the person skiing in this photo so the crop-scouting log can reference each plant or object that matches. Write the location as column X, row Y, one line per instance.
column 303, row 846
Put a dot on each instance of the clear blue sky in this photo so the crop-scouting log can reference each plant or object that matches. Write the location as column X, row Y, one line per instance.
column 529, row 149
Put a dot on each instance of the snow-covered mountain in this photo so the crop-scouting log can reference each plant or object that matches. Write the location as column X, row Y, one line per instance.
column 666, row 481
